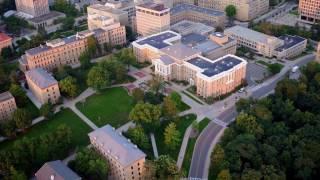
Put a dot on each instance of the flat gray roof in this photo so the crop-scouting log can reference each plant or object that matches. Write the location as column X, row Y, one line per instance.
column 45, row 17
column 216, row 67
column 289, row 41
column 5, row 96
column 157, row 41
column 117, row 145
column 180, row 51
column 41, row 77
column 182, row 7
column 193, row 38
column 166, row 59
column 56, row 169
column 153, row 6
column 248, row 34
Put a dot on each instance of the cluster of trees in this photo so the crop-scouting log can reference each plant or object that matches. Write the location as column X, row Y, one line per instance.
column 279, row 30
column 90, row 165
column 275, row 68
column 275, row 137
column 27, row 155
column 231, row 12
column 66, row 7
column 14, row 25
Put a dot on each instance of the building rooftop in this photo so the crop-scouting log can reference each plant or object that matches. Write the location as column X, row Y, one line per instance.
column 158, row 40
column 248, row 33
column 185, row 27
column 45, row 17
column 180, row 51
column 212, row 68
column 41, row 78
column 166, row 59
column 117, row 145
column 182, row 7
column 153, row 6
column 56, row 170
column 101, row 7
column 193, row 39
column 206, row 46
column 5, row 96
column 4, row 37
column 289, row 41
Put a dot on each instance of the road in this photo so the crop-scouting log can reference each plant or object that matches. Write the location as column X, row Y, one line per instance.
column 210, row 135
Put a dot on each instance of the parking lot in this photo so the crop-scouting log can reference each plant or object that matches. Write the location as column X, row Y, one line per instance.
column 256, row 73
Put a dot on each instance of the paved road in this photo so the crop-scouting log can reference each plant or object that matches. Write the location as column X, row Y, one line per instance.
column 210, row 135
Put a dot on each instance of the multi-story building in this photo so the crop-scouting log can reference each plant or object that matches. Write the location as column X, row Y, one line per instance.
column 56, row 170
column 34, row 8
column 194, row 13
column 126, row 161
column 43, row 86
column 152, row 18
column 7, row 105
column 193, row 58
column 269, row 46
column 67, row 51
column 246, row 9
column 309, row 11
column 5, row 41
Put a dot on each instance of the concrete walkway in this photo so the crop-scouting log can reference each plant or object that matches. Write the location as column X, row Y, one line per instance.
column 183, row 147
column 154, row 146
column 83, row 117
column 126, row 126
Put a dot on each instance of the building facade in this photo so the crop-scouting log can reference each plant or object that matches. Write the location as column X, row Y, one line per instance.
column 43, row 86
column 246, row 9
column 34, row 8
column 125, row 160
column 5, row 41
column 283, row 47
column 152, row 18
column 194, row 13
column 7, row 106
column 309, row 11
column 204, row 61
column 66, row 51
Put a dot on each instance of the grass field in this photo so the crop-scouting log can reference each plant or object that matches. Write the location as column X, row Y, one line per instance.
column 182, row 124
column 191, row 143
column 32, row 109
column 79, row 129
column 112, row 106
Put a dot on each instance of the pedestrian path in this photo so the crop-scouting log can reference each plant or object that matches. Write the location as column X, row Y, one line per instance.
column 126, row 126
column 154, row 146
column 83, row 117
column 184, row 146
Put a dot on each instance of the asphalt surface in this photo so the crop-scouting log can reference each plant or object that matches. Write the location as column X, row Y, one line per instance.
column 204, row 142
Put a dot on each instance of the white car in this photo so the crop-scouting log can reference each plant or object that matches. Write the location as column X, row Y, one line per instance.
column 241, row 90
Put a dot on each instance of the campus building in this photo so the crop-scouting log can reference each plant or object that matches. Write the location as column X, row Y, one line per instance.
column 269, row 46
column 5, row 41
column 43, row 86
column 7, row 105
column 194, row 13
column 66, row 51
column 33, row 8
column 204, row 61
column 56, row 170
column 309, row 11
column 125, row 160
column 246, row 9
column 152, row 18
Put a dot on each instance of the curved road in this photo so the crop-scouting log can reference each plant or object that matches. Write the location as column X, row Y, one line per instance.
column 211, row 134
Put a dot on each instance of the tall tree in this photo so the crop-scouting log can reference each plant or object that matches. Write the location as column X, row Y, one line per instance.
column 156, row 84
column 166, row 168
column 22, row 118
column 224, row 175
column 171, row 136
column 19, row 94
column 169, row 108
column 98, row 78
column 231, row 12
column 84, row 59
column 139, row 137
column 138, row 95
column 46, row 110
column 69, row 86
column 147, row 115
column 92, row 46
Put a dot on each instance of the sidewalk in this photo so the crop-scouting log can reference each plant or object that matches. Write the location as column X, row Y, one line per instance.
column 183, row 147
column 154, row 146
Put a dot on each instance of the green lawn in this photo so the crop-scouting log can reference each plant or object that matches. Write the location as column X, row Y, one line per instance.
column 182, row 124
column 191, row 143
column 196, row 100
column 79, row 129
column 111, row 106
column 183, row 107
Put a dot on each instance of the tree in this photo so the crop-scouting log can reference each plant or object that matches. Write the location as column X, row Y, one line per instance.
column 84, row 59
column 147, row 115
column 231, row 11
column 176, row 97
column 248, row 124
column 156, row 84
column 7, row 52
column 92, row 46
column 19, row 94
column 138, row 95
column 275, row 68
column 8, row 128
column 98, row 78
column 224, row 175
column 90, row 165
column 22, row 118
column 17, row 175
column 169, row 108
column 139, row 137
column 46, row 110
column 166, row 168
column 65, row 7
column 68, row 23
column 171, row 136
column 127, row 57
column 69, row 86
